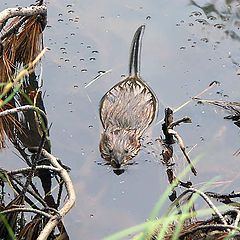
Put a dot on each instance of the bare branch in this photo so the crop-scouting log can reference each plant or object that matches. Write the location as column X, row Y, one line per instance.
column 205, row 197
column 23, row 109
column 21, row 209
column 24, row 170
column 53, row 221
column 21, row 11
column 182, row 147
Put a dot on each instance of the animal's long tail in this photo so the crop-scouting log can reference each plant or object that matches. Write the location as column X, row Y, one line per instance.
column 135, row 52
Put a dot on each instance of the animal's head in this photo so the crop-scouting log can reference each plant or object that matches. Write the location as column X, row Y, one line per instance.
column 118, row 146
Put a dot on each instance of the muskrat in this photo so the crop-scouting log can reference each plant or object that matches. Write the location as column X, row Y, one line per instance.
column 126, row 111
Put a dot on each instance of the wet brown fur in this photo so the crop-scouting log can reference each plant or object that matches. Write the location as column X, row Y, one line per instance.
column 126, row 110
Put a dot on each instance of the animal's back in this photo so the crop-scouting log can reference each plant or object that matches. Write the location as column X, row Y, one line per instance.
column 130, row 104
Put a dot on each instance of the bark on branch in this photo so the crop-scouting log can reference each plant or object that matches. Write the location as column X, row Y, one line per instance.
column 21, row 11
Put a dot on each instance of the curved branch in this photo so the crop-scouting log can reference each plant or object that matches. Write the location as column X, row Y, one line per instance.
column 23, row 109
column 27, row 169
column 53, row 221
column 21, row 11
column 205, row 197
column 27, row 210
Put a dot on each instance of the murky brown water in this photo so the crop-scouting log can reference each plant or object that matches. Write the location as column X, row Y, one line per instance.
column 185, row 48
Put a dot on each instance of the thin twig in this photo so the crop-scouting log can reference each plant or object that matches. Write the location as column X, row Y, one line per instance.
column 211, row 85
column 26, row 210
column 182, row 147
column 23, row 109
column 205, row 197
column 24, row 170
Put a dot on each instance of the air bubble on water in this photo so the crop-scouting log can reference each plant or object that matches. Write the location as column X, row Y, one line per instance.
column 195, row 14
column 94, row 51
column 204, row 40
column 81, row 59
column 70, row 11
column 84, row 70
column 202, row 21
column 212, row 18
column 182, row 48
column 69, row 5
column 67, row 60
column 75, row 86
column 219, row 26
column 148, row 17
column 60, row 20
column 92, row 59
column 101, row 71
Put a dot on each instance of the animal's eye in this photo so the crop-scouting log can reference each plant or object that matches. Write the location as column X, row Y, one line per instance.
column 126, row 151
column 110, row 150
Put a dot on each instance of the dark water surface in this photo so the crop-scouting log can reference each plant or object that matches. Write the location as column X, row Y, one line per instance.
column 186, row 46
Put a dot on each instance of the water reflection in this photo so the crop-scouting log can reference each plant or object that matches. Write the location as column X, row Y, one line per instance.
column 228, row 12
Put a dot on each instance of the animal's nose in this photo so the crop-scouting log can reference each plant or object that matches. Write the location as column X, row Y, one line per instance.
column 116, row 159
column 115, row 163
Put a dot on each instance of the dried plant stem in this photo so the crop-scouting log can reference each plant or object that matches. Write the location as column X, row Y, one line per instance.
column 182, row 147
